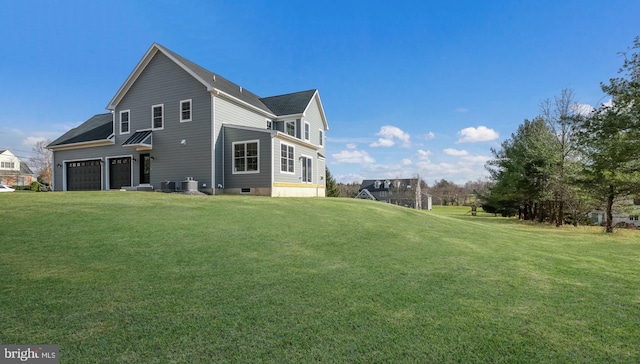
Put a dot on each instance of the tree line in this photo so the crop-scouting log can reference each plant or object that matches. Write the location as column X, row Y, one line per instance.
column 568, row 161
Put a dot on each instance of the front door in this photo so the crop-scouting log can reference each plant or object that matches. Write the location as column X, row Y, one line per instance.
column 145, row 169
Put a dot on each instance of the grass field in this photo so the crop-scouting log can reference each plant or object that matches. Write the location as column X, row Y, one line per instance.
column 126, row 277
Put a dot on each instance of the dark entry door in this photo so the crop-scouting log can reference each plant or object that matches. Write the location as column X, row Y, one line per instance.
column 119, row 173
column 84, row 176
column 145, row 169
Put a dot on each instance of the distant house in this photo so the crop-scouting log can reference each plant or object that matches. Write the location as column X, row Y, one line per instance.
column 173, row 123
column 13, row 171
column 628, row 218
column 403, row 192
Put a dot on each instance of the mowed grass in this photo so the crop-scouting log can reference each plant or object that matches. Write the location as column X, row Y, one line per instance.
column 126, row 277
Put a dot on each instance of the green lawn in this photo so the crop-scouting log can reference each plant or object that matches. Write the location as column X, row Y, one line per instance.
column 126, row 277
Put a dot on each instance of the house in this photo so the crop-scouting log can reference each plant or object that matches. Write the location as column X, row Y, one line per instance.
column 626, row 215
column 403, row 192
column 174, row 125
column 13, row 171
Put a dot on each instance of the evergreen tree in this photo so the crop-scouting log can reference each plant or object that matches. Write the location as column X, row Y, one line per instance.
column 332, row 189
column 610, row 138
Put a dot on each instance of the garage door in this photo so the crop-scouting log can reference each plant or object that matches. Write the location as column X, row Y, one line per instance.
column 119, row 173
column 83, row 176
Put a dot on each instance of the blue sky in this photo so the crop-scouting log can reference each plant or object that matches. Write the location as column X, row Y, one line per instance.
column 408, row 87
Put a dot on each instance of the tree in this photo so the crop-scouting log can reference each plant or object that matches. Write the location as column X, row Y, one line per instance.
column 561, row 116
column 42, row 161
column 521, row 171
column 610, row 138
column 332, row 189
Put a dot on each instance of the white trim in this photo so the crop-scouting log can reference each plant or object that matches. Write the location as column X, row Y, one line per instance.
column 233, row 158
column 295, row 127
column 303, row 167
column 321, row 137
column 306, row 131
column 293, row 158
column 128, row 111
column 153, row 117
column 190, row 111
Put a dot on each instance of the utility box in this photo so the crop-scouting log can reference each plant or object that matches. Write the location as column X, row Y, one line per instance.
column 167, row 186
column 189, row 185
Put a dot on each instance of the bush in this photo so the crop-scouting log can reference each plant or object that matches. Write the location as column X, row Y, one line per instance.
column 35, row 186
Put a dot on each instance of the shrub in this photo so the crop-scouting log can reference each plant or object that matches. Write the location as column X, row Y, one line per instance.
column 35, row 186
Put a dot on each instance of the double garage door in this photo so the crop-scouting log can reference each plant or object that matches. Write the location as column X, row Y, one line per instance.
column 87, row 175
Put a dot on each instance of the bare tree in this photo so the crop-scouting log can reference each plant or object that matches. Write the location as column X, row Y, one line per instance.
column 42, row 161
column 561, row 115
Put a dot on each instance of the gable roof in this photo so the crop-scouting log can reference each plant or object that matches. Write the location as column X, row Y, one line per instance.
column 293, row 103
column 288, row 104
column 98, row 127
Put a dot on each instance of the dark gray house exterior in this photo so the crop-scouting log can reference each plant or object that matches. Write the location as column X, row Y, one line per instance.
column 399, row 191
column 172, row 121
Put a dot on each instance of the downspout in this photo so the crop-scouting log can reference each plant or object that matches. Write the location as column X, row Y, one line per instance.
column 213, row 144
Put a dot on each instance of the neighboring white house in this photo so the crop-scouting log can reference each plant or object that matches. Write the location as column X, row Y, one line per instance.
column 13, row 171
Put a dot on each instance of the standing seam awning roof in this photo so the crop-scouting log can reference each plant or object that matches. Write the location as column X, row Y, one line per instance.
column 139, row 138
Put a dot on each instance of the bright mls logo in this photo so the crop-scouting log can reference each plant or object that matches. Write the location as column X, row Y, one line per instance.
column 40, row 354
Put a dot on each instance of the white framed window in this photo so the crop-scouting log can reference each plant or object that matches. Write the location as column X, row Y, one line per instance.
column 185, row 110
column 307, row 131
column 157, row 117
column 7, row 165
column 124, row 122
column 287, row 153
column 246, row 157
column 320, row 137
column 269, row 124
column 307, row 168
column 290, row 128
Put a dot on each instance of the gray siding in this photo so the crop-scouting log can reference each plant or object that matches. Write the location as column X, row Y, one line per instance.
column 299, row 151
column 228, row 112
column 248, row 180
column 164, row 82
column 313, row 117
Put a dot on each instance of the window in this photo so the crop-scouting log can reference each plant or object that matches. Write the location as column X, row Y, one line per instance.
column 157, row 116
column 321, row 138
column 290, row 127
column 269, row 124
column 286, row 158
column 245, row 157
column 307, row 131
column 124, row 122
column 306, row 169
column 7, row 165
column 185, row 110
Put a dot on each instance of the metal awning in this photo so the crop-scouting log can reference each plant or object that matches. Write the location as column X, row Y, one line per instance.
column 142, row 140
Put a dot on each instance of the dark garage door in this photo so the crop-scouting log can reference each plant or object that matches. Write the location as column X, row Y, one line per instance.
column 83, row 176
column 119, row 173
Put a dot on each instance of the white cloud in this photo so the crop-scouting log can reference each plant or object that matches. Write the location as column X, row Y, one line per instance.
column 407, row 161
column 389, row 134
column 479, row 134
column 351, row 146
column 582, row 109
column 455, row 152
column 424, row 154
column 32, row 141
column 477, row 159
column 430, row 136
column 353, row 156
